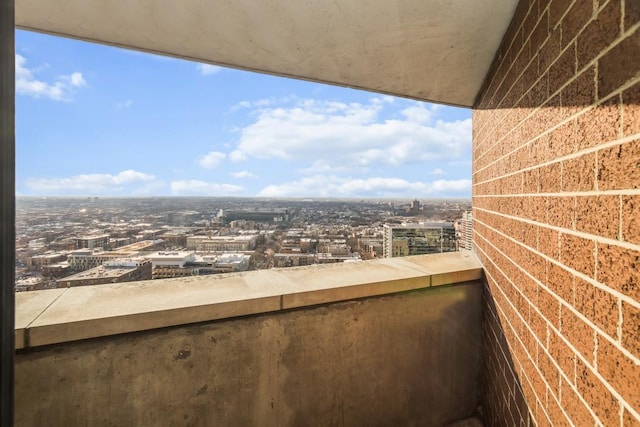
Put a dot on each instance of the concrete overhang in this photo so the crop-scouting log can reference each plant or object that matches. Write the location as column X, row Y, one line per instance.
column 434, row 50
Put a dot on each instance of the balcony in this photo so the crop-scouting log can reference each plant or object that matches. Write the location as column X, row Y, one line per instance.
column 385, row 342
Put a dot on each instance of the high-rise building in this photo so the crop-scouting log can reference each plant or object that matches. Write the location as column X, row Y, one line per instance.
column 418, row 239
column 414, row 208
column 466, row 231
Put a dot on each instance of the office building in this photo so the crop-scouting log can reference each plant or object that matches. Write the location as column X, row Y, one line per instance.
column 114, row 271
column 85, row 259
column 99, row 241
column 418, row 239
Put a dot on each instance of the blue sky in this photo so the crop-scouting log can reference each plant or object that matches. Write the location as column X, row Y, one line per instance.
column 101, row 121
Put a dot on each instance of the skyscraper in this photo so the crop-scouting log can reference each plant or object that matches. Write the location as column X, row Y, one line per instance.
column 466, row 231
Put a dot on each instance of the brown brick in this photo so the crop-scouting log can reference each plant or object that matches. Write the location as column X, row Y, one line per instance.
column 549, row 116
column 542, row 419
column 549, row 371
column 600, row 33
column 562, row 70
column 631, row 109
column 548, row 242
column 631, row 328
column 560, row 281
column 597, row 396
column 628, row 420
column 578, row 253
column 528, row 287
column 619, row 268
column 529, row 235
column 562, row 354
column 519, row 403
column 550, row 50
column 578, row 174
column 549, row 306
column 560, row 211
column 530, row 181
column 619, row 166
column 550, row 178
column 534, row 208
column 579, row 14
column 529, row 394
column 503, row 381
column 619, row 371
column 562, row 141
column 619, row 65
column 631, row 13
column 530, row 20
column 538, row 325
column 527, row 338
column 577, row 410
column 631, row 219
column 600, row 124
column 582, row 91
column 536, row 266
column 579, row 333
column 557, row 417
column 539, row 92
column 539, row 387
column 513, row 34
column 539, row 34
column 557, row 8
column 597, row 305
column 598, row 215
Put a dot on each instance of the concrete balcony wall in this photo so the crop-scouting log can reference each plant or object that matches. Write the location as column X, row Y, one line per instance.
column 389, row 342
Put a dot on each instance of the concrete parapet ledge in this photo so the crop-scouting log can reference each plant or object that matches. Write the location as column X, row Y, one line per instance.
column 62, row 315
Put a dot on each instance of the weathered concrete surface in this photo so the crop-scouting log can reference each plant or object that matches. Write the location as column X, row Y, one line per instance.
column 430, row 50
column 79, row 313
column 402, row 359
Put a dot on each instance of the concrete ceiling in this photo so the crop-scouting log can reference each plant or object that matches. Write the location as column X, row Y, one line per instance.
column 435, row 50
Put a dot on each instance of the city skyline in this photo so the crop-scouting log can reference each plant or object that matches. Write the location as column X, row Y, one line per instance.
column 93, row 120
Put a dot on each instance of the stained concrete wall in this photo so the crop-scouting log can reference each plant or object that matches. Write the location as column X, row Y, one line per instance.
column 403, row 359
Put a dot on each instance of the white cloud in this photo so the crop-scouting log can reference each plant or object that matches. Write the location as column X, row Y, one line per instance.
column 202, row 188
column 242, row 174
column 262, row 103
column 208, row 69
column 417, row 114
column 130, row 175
column 88, row 183
column 437, row 171
column 60, row 90
column 124, row 104
column 211, row 160
column 339, row 134
column 77, row 80
column 238, row 156
column 336, row 186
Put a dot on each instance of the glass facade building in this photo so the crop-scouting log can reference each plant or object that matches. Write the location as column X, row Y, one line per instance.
column 418, row 239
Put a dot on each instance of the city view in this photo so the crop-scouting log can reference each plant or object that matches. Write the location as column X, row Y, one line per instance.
column 244, row 172
column 301, row 213
column 65, row 242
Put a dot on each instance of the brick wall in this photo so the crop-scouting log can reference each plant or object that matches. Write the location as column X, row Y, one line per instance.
column 556, row 195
